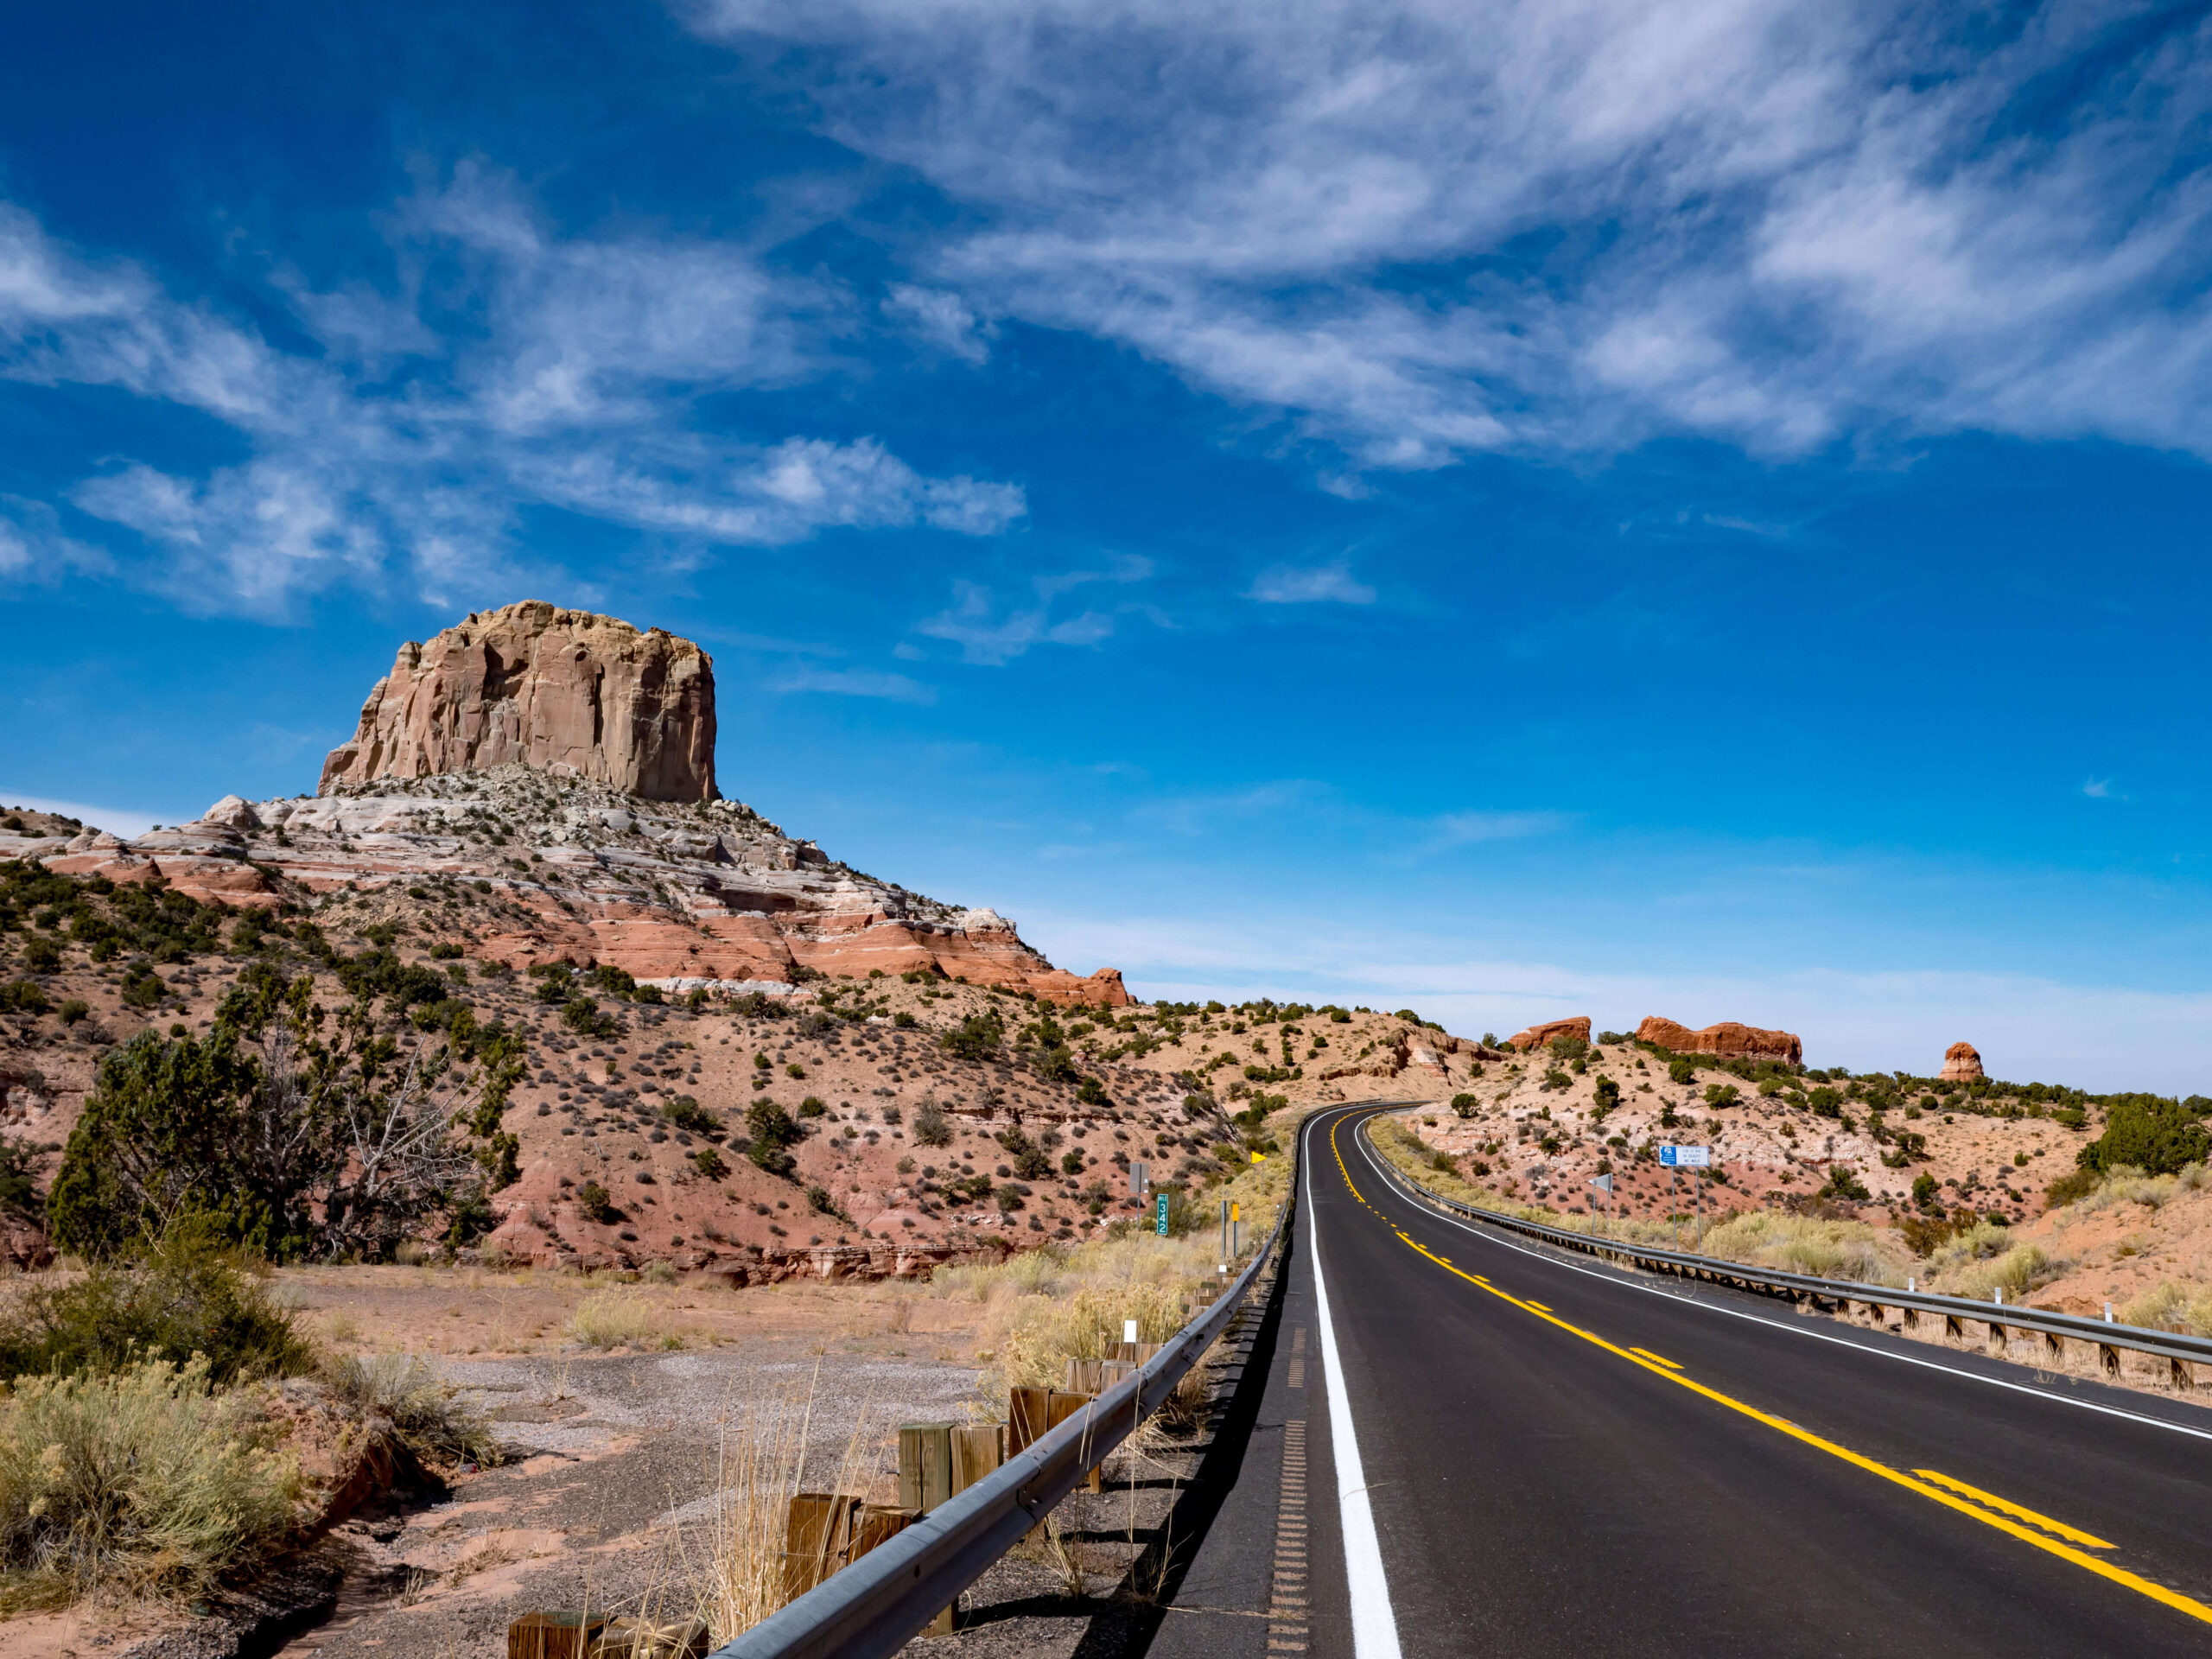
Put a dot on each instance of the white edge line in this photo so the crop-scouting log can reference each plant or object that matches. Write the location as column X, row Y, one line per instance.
column 1391, row 1178
column 1374, row 1626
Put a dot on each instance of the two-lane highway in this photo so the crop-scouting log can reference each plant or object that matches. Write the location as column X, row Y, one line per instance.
column 1525, row 1455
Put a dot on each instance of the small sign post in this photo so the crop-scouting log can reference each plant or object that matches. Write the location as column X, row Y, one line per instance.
column 1604, row 1185
column 1159, row 1213
column 1136, row 1178
column 1690, row 1158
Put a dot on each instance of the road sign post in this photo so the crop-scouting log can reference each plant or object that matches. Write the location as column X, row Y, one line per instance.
column 1692, row 1158
column 1136, row 1178
column 1159, row 1215
column 1604, row 1185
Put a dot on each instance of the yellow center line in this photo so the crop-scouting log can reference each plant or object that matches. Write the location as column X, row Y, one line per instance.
column 1672, row 1364
column 2010, row 1508
column 2103, row 1569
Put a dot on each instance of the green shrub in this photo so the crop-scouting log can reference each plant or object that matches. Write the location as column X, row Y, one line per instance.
column 1722, row 1094
column 2069, row 1188
column 41, row 955
column 145, row 1481
column 688, row 1114
column 596, row 1202
column 977, row 1037
column 1464, row 1104
column 710, row 1163
column 2156, row 1136
column 812, row 1107
column 74, row 1010
column 24, row 996
column 1925, row 1191
column 769, row 1132
column 193, row 1294
column 1844, row 1183
column 932, row 1126
column 1680, row 1071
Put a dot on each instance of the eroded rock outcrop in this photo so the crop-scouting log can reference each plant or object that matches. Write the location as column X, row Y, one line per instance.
column 1728, row 1039
column 1961, row 1064
column 1538, row 1036
column 566, row 692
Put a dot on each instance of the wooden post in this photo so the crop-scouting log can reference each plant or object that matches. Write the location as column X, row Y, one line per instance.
column 2181, row 1375
column 2053, row 1348
column 818, row 1531
column 976, row 1450
column 553, row 1636
column 924, row 1465
column 1997, row 1337
column 1027, row 1414
column 1952, row 1329
column 2108, row 1360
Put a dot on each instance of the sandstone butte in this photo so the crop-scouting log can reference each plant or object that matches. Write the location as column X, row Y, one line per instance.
column 1537, row 1036
column 1961, row 1062
column 1726, row 1039
column 563, row 763
column 564, row 692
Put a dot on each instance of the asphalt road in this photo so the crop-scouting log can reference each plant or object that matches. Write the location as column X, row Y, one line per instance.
column 1551, row 1459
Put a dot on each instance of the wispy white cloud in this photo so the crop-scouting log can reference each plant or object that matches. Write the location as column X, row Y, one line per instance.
column 1324, row 584
column 510, row 367
column 852, row 683
column 1770, row 223
column 942, row 319
column 1454, row 830
column 2098, row 789
column 991, row 634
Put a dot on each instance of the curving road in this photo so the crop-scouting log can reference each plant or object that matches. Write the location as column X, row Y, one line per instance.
column 1467, row 1445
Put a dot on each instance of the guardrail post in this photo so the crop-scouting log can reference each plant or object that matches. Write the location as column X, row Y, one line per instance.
column 1998, row 1339
column 2053, row 1348
column 2108, row 1360
column 2182, row 1377
column 1952, row 1329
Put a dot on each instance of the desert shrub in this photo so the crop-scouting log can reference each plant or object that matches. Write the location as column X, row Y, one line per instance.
column 1607, row 1094
column 41, row 955
column 596, row 1202
column 819, row 1200
column 710, row 1163
column 1464, row 1104
column 2156, row 1136
column 1680, row 1071
column 1844, row 1183
column 1826, row 1102
column 769, row 1132
column 1827, row 1249
column 73, row 1009
column 291, row 1132
column 1925, row 1191
column 192, row 1295
column 421, row 1410
column 1977, row 1241
column 146, row 1480
column 813, row 1106
column 1722, row 1094
column 2018, row 1270
column 2167, row 1305
column 617, row 1319
column 1072, row 1162
column 1046, row 1331
column 24, row 996
column 688, row 1114
column 932, row 1126
column 977, row 1037
column 2069, row 1188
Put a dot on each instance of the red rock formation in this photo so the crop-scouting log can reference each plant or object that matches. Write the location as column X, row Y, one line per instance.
column 562, row 763
column 1961, row 1064
column 561, row 691
column 1726, row 1038
column 1538, row 1036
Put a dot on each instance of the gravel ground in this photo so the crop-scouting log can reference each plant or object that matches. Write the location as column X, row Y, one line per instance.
column 616, row 1466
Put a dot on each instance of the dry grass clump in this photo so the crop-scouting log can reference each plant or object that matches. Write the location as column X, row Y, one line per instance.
column 1807, row 1244
column 761, row 1462
column 621, row 1318
column 2169, row 1306
column 144, row 1481
column 2017, row 1271
column 420, row 1409
column 2125, row 1184
column 1048, row 1332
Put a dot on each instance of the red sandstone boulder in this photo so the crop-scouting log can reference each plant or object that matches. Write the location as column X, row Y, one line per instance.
column 1538, row 1036
column 1961, row 1064
column 1727, row 1039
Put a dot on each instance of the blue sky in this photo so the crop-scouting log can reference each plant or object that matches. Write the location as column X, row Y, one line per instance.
column 1513, row 509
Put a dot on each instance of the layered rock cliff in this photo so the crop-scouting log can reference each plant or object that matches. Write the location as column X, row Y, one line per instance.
column 563, row 692
column 1727, row 1037
column 562, row 763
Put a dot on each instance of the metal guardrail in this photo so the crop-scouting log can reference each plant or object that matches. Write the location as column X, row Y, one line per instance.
column 2000, row 1317
column 882, row 1600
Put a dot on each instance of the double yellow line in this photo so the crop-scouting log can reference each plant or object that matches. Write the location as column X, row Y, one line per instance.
column 1960, row 1498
